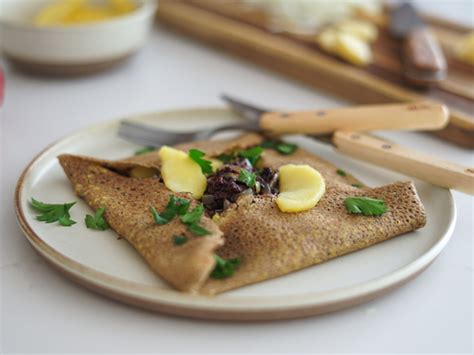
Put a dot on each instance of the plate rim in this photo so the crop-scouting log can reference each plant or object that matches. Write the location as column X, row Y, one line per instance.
column 197, row 306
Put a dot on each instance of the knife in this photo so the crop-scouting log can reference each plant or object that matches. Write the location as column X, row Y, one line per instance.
column 406, row 116
column 423, row 60
column 382, row 153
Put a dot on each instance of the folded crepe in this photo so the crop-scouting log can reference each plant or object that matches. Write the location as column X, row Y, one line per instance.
column 269, row 243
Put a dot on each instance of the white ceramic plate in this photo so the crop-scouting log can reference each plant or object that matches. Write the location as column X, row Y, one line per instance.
column 98, row 260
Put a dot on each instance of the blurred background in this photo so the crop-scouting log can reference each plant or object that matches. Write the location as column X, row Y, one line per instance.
column 69, row 64
column 358, row 51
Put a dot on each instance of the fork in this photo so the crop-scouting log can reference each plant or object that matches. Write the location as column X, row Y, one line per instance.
column 144, row 134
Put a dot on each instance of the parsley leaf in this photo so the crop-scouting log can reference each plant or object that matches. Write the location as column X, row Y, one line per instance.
column 145, row 150
column 268, row 144
column 341, row 172
column 247, row 177
column 357, row 185
column 179, row 239
column 97, row 221
column 286, row 148
column 252, row 154
column 175, row 206
column 281, row 147
column 198, row 230
column 366, row 206
column 224, row 268
column 180, row 206
column 53, row 212
column 66, row 221
column 192, row 218
column 206, row 165
column 226, row 158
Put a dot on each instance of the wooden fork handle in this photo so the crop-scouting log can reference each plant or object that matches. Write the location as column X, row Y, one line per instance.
column 407, row 116
column 407, row 161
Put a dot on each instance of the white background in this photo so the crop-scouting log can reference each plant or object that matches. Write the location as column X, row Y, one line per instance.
column 41, row 311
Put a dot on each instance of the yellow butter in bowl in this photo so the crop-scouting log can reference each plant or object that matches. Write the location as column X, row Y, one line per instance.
column 301, row 188
column 76, row 12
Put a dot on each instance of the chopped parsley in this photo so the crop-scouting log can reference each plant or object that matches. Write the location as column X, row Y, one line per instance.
column 145, row 150
column 281, row 147
column 206, row 165
column 53, row 212
column 252, row 154
column 179, row 239
column 198, row 230
column 224, row 268
column 192, row 219
column 178, row 206
column 97, row 221
column 247, row 177
column 341, row 172
column 175, row 206
column 357, row 185
column 193, row 216
column 366, row 206
column 226, row 158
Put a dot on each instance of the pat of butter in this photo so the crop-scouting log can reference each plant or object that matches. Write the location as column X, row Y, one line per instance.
column 301, row 188
column 353, row 49
column 73, row 12
column 180, row 173
column 364, row 30
column 465, row 49
column 327, row 39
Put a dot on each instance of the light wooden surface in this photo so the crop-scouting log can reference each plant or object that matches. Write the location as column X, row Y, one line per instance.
column 413, row 116
column 220, row 24
column 422, row 166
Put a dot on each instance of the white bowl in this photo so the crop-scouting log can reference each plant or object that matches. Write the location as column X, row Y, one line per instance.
column 70, row 49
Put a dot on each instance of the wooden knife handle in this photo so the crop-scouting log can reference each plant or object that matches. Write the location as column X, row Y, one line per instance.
column 407, row 161
column 407, row 116
column 424, row 61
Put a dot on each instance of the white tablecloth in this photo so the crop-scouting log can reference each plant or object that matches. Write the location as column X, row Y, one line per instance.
column 43, row 311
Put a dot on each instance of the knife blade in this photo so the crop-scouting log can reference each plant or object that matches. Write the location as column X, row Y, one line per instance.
column 369, row 148
column 423, row 60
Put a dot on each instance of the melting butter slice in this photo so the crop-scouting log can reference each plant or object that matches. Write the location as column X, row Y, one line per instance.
column 327, row 39
column 180, row 173
column 353, row 49
column 301, row 187
column 366, row 31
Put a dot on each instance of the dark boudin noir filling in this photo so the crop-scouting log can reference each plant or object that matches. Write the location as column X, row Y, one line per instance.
column 227, row 185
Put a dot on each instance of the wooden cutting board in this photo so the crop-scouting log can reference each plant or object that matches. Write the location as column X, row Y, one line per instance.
column 241, row 30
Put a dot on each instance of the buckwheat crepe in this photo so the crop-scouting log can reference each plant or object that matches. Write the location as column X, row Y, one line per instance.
column 270, row 243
